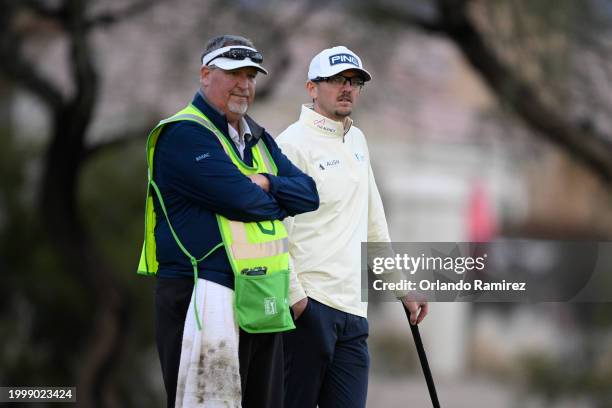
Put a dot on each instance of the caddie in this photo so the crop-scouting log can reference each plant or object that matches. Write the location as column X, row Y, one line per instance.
column 218, row 189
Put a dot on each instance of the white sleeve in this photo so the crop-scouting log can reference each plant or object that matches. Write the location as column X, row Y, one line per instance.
column 296, row 291
column 378, row 230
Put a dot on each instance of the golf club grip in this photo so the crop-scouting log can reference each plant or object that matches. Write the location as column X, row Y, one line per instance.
column 423, row 359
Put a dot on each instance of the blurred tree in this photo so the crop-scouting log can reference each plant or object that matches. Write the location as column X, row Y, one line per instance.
column 71, row 291
column 96, row 341
column 546, row 62
column 532, row 56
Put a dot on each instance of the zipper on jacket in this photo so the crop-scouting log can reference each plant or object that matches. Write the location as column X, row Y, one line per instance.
column 346, row 130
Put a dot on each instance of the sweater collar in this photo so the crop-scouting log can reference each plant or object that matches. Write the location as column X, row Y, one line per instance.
column 322, row 124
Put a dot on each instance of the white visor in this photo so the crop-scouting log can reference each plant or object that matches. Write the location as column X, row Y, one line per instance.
column 229, row 64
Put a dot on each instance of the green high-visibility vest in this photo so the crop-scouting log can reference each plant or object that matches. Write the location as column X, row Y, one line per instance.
column 258, row 252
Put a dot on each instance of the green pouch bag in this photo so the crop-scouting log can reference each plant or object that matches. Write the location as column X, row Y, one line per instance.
column 261, row 302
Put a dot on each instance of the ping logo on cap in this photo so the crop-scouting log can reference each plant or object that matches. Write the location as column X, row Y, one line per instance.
column 343, row 59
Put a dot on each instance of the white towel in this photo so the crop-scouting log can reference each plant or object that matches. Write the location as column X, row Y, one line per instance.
column 209, row 375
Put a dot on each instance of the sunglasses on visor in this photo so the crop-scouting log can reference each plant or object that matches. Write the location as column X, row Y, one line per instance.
column 240, row 54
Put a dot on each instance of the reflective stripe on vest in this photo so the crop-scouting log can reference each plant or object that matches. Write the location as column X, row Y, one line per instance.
column 242, row 249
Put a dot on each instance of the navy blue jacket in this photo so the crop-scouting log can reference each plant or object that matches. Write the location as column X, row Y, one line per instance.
column 197, row 180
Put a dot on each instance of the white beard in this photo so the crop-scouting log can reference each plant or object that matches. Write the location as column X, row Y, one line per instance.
column 238, row 108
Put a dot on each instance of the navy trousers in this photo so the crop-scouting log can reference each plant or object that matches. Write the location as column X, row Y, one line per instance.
column 326, row 359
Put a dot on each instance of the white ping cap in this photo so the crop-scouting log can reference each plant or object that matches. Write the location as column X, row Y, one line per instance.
column 332, row 61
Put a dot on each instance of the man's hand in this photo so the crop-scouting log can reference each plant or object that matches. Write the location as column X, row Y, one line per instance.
column 299, row 307
column 261, row 180
column 417, row 307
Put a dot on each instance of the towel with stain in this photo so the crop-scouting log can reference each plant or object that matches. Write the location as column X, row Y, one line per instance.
column 209, row 375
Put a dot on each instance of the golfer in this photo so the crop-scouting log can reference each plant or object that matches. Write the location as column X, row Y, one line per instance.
column 326, row 357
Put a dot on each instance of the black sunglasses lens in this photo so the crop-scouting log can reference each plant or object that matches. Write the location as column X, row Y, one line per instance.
column 340, row 80
column 241, row 53
column 256, row 57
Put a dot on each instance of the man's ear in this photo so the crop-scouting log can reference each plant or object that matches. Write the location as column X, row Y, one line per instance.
column 205, row 76
column 312, row 89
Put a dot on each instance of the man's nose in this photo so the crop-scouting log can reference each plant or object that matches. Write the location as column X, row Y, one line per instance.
column 243, row 81
column 347, row 85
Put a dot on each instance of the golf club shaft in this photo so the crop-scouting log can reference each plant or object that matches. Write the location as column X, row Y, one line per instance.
column 423, row 359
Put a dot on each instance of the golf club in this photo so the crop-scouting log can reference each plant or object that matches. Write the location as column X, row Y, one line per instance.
column 423, row 359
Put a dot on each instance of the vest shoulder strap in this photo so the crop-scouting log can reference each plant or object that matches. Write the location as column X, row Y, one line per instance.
column 193, row 114
column 267, row 157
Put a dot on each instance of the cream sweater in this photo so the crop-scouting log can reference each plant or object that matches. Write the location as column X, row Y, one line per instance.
column 325, row 245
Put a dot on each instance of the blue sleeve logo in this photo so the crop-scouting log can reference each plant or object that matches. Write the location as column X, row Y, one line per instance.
column 343, row 59
column 202, row 157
